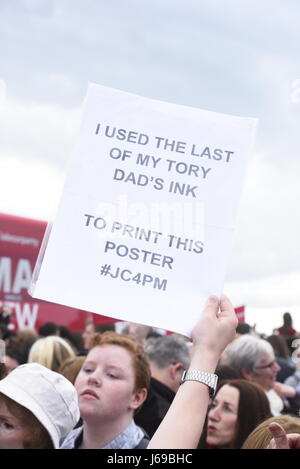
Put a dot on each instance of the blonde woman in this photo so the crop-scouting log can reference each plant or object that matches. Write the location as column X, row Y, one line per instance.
column 50, row 352
column 261, row 436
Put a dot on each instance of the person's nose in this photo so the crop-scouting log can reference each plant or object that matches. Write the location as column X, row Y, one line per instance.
column 276, row 367
column 214, row 413
column 95, row 379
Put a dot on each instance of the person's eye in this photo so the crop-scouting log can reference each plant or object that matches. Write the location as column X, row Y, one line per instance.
column 6, row 425
column 227, row 409
column 112, row 375
column 87, row 370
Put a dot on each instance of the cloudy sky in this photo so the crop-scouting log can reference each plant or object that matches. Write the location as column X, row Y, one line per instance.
column 235, row 57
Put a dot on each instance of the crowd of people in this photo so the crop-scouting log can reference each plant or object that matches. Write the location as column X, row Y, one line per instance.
column 99, row 389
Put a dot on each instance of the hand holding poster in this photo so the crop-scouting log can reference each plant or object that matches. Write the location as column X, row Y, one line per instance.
column 145, row 221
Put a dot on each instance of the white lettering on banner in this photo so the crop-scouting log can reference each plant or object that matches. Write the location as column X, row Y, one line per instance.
column 23, row 240
column 5, row 274
column 26, row 315
column 22, row 277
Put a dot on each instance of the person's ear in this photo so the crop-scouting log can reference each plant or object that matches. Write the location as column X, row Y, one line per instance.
column 138, row 398
column 246, row 374
column 175, row 369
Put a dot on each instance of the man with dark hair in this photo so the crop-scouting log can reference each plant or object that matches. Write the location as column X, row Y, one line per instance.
column 48, row 328
column 243, row 328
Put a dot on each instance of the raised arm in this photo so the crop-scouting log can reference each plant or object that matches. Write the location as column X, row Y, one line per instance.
column 183, row 424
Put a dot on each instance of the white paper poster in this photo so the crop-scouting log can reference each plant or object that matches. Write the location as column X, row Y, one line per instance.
column 145, row 222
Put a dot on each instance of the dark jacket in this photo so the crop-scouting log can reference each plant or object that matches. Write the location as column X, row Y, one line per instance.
column 155, row 407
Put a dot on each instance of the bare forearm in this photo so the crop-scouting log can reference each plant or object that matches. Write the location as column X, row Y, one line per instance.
column 183, row 424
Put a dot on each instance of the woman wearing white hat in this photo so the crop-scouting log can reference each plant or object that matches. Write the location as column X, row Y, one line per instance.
column 38, row 407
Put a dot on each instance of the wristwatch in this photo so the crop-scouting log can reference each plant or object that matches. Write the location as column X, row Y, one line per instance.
column 209, row 379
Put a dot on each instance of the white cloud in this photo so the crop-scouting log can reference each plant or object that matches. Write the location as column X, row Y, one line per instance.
column 264, row 272
column 267, row 319
column 281, row 290
column 30, row 189
column 40, row 132
column 268, row 227
column 36, row 141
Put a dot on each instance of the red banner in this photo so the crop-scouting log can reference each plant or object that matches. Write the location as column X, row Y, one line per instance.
column 240, row 313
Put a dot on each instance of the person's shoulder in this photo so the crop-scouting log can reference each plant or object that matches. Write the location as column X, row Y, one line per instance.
column 293, row 379
column 143, row 443
column 70, row 440
column 161, row 390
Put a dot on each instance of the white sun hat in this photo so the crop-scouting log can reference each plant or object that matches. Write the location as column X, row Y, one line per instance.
column 50, row 397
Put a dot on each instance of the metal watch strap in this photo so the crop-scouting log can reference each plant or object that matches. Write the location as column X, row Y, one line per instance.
column 209, row 379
